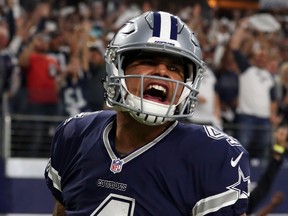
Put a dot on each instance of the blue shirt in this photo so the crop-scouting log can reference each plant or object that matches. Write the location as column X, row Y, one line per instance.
column 187, row 170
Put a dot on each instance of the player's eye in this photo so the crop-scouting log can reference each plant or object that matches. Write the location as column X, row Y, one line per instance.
column 173, row 68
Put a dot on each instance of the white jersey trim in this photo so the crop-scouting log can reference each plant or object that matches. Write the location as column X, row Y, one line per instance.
column 214, row 203
column 138, row 151
column 55, row 177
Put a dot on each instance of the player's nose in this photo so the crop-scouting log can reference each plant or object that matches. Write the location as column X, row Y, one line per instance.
column 161, row 70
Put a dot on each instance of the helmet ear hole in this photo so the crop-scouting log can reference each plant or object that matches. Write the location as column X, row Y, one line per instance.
column 189, row 70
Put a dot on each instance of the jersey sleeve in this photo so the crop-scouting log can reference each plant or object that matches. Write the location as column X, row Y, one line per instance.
column 54, row 168
column 66, row 151
column 225, row 174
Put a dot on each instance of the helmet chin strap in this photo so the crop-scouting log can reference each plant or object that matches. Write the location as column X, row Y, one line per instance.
column 186, row 91
column 150, row 112
column 146, row 111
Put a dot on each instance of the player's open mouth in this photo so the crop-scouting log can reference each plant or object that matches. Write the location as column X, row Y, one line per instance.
column 157, row 93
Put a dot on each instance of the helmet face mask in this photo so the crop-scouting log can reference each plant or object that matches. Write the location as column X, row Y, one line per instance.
column 150, row 33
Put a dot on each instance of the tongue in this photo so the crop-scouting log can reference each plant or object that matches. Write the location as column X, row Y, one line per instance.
column 153, row 98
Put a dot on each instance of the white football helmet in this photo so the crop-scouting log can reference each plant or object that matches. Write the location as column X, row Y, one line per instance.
column 156, row 32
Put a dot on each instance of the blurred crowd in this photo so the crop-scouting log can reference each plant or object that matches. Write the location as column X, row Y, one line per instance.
column 52, row 61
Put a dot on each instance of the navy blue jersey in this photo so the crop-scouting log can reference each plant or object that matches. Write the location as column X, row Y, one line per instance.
column 187, row 170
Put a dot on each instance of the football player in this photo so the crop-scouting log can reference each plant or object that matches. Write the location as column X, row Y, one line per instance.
column 138, row 158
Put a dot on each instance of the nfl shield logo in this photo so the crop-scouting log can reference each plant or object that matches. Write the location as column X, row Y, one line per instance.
column 116, row 165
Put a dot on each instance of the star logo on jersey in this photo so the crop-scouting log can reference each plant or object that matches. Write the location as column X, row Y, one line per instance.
column 116, row 165
column 241, row 185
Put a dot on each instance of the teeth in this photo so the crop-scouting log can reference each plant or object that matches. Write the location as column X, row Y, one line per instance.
column 158, row 87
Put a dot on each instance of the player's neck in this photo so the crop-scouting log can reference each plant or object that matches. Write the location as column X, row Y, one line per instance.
column 131, row 134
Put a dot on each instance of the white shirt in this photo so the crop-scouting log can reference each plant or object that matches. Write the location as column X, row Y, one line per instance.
column 254, row 92
column 205, row 111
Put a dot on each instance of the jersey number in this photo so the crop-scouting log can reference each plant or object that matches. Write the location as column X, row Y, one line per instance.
column 214, row 133
column 116, row 204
